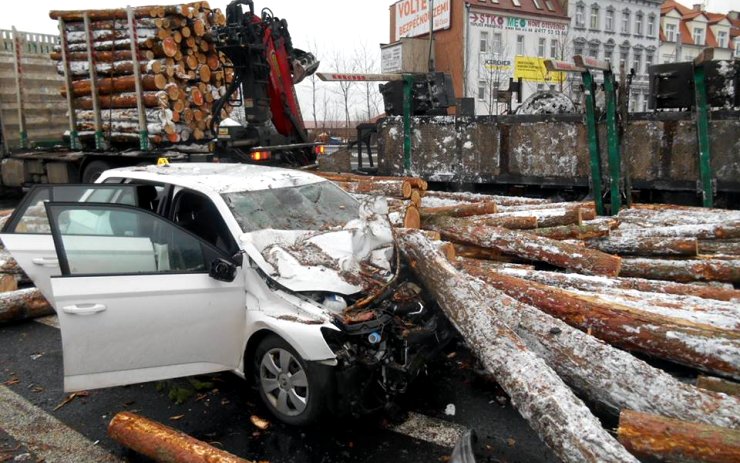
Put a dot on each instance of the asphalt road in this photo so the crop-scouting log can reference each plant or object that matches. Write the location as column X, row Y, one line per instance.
column 219, row 412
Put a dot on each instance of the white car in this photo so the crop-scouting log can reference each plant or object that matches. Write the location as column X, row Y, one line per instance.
column 166, row 271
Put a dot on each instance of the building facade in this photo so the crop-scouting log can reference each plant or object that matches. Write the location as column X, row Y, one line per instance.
column 685, row 32
column 623, row 32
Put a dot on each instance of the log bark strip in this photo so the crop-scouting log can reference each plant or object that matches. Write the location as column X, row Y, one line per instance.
column 464, row 210
column 725, row 247
column 659, row 336
column 561, row 420
column 162, row 443
column 718, row 385
column 23, row 304
column 682, row 270
column 531, row 247
column 550, row 217
column 647, row 246
column 575, row 232
column 393, row 188
column 604, row 374
column 592, row 283
column 665, row 439
column 511, row 223
column 702, row 231
column 475, row 198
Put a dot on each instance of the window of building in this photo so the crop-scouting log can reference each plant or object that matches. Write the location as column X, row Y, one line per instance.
column 638, row 24
column 609, row 21
column 737, row 49
column 541, row 44
column 548, row 4
column 645, row 104
column 624, row 54
column 484, row 42
column 698, row 36
column 625, row 22
column 594, row 17
column 516, row 2
column 651, row 26
column 648, row 62
column 554, row 48
column 482, row 90
column 537, row 4
column 609, row 54
column 593, row 50
column 520, row 45
column 580, row 11
column 578, row 49
column 497, row 43
column 670, row 32
column 637, row 61
column 722, row 39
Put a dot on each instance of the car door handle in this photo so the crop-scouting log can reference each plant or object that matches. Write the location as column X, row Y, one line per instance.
column 85, row 309
column 45, row 262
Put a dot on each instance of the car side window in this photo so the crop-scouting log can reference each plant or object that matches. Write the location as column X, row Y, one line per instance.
column 198, row 214
column 104, row 239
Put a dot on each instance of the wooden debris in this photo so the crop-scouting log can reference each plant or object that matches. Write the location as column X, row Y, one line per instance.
column 682, row 270
column 575, row 232
column 464, row 210
column 553, row 411
column 162, row 443
column 656, row 437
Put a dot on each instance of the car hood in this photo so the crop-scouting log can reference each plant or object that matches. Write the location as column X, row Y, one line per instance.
column 334, row 261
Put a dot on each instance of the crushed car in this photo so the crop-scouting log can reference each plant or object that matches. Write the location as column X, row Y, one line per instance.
column 184, row 269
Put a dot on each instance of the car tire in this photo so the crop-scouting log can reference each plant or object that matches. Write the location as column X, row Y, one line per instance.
column 94, row 169
column 295, row 391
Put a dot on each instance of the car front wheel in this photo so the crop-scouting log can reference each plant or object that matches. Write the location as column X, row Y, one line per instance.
column 294, row 390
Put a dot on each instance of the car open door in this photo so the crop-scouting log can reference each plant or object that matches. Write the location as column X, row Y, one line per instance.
column 144, row 303
column 27, row 236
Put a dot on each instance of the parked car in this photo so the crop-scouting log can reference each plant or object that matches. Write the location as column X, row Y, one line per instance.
column 278, row 275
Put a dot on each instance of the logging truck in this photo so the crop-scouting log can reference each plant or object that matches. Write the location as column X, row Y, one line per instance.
column 123, row 87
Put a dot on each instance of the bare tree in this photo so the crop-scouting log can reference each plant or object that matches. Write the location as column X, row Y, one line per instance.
column 367, row 62
column 344, row 89
column 494, row 71
column 313, row 48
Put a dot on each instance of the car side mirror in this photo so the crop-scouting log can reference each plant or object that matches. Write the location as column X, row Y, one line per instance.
column 222, row 270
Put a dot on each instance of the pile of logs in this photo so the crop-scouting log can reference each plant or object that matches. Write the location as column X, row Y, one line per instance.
column 528, row 281
column 181, row 72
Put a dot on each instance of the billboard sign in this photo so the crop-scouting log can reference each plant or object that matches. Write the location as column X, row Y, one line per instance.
column 412, row 17
column 391, row 58
column 532, row 69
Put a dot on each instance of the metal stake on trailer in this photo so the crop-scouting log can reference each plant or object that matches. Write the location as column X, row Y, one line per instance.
column 612, row 131
column 100, row 144
column 408, row 82
column 143, row 132
column 594, row 149
column 74, row 140
column 18, row 54
column 702, row 127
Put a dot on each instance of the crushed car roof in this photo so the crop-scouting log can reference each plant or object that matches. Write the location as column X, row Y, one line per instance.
column 218, row 177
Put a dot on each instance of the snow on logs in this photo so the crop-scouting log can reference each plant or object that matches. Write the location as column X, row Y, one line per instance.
column 182, row 73
column 563, row 422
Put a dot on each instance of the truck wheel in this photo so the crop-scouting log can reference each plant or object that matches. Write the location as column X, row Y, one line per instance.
column 294, row 390
column 93, row 170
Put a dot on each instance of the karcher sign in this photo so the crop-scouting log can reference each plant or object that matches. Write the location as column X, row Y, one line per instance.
column 532, row 69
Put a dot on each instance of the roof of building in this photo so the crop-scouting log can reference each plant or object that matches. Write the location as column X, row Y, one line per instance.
column 550, row 8
column 688, row 15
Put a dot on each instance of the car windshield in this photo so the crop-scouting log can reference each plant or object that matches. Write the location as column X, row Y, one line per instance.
column 318, row 206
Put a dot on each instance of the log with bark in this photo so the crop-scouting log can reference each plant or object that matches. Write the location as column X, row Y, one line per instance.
column 475, row 198
column 23, row 304
column 730, row 230
column 597, row 283
column 724, row 386
column 724, row 247
column 415, row 182
column 530, row 247
column 463, row 210
column 511, row 223
column 682, row 270
column 647, row 246
column 676, row 338
column 576, row 232
column 392, row 188
column 550, row 217
column 665, row 439
column 561, row 420
column 677, row 217
column 604, row 374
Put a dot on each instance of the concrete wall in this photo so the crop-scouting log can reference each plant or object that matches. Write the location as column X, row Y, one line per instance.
column 660, row 150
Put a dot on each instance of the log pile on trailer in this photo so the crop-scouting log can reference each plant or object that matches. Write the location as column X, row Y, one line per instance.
column 149, row 70
column 591, row 297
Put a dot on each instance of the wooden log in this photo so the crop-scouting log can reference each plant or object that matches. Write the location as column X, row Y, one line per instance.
column 162, row 443
column 575, row 232
column 476, row 252
column 120, row 101
column 531, row 247
column 119, row 84
column 392, row 188
column 606, row 375
column 493, row 220
column 725, row 247
column 411, row 218
column 664, row 439
column 115, row 68
column 711, row 383
column 647, row 246
column 79, row 37
column 464, row 210
column 475, row 198
column 550, row 217
column 99, row 15
column 108, row 56
column 23, row 304
column 592, row 283
column 704, row 231
column 700, row 346
column 587, row 205
column 665, row 218
column 682, row 271
column 560, row 419
column 415, row 182
column 490, row 265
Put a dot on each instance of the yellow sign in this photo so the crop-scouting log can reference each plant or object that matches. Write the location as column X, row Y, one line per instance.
column 532, row 69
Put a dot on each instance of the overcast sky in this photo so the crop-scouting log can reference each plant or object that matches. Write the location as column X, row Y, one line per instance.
column 323, row 26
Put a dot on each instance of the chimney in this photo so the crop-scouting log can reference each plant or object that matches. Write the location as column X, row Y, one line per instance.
column 698, row 7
